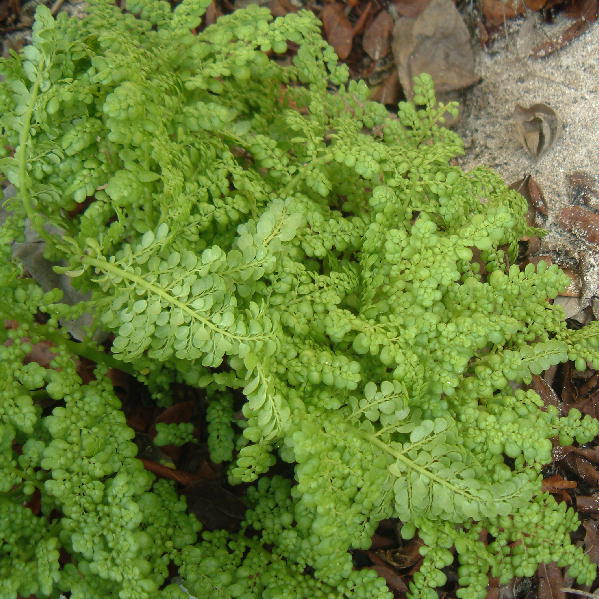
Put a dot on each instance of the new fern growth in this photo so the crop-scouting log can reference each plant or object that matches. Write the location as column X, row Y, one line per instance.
column 348, row 300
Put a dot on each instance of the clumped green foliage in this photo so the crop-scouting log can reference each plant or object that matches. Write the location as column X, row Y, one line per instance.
column 346, row 297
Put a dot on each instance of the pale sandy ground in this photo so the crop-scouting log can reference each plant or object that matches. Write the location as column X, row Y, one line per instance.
column 568, row 81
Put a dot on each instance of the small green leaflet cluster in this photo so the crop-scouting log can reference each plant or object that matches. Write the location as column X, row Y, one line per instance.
column 176, row 433
column 71, row 485
column 254, row 227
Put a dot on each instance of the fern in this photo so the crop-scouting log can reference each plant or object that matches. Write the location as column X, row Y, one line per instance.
column 345, row 299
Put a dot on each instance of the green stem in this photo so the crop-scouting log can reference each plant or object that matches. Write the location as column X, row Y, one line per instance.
column 85, row 351
column 22, row 154
column 108, row 267
column 413, row 466
column 97, row 356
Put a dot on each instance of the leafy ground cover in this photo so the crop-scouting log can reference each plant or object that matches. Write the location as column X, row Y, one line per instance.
column 571, row 477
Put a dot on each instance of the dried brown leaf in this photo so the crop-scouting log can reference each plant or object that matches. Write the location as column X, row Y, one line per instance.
column 581, row 222
column 589, row 453
column 9, row 12
column 588, row 503
column 547, row 393
column 590, row 405
column 535, row 4
column 389, row 91
column 536, row 197
column 377, row 37
column 393, row 579
column 551, row 582
column 410, row 8
column 583, row 469
column 405, row 556
column 212, row 13
column 185, row 478
column 496, row 12
column 556, row 483
column 568, row 392
column 537, row 128
column 179, row 412
column 579, row 9
column 42, row 353
column 536, row 259
column 583, row 188
column 493, row 589
column 381, row 541
column 531, row 191
column 575, row 287
column 35, row 502
column 280, row 8
column 590, row 385
column 337, row 28
column 546, row 48
column 361, row 22
column 591, row 540
column 437, row 42
column 215, row 506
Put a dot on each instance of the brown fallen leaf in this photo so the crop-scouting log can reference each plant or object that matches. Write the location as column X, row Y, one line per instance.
column 9, row 12
column 493, row 589
column 377, row 37
column 280, row 8
column 590, row 405
column 575, row 287
column 185, row 478
column 590, row 385
column 536, row 4
column 410, row 8
column 35, row 502
column 578, row 9
column 556, row 483
column 546, row 392
column 590, row 453
column 588, row 503
column 536, row 259
column 380, row 541
column 41, row 352
column 389, row 91
column 437, row 42
column 359, row 25
column 496, row 12
column 584, row 189
column 212, row 13
column 214, row 506
column 405, row 556
column 591, row 540
column 551, row 582
column 549, row 47
column 393, row 579
column 583, row 469
column 580, row 221
column 531, row 191
column 536, row 197
column 568, row 391
column 337, row 28
column 549, row 374
column 179, row 412
column 537, row 128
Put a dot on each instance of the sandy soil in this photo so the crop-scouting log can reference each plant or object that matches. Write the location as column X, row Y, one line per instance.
column 568, row 81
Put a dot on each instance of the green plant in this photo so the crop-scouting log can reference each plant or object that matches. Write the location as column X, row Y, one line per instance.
column 262, row 231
